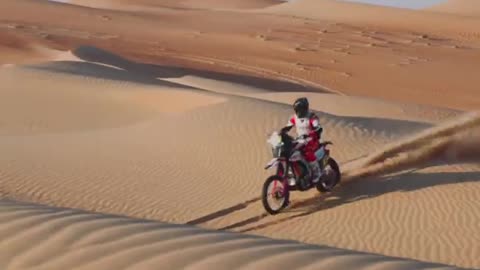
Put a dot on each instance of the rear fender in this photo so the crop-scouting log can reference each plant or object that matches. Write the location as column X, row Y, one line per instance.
column 320, row 153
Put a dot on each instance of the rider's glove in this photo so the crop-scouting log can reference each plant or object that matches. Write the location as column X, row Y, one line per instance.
column 304, row 139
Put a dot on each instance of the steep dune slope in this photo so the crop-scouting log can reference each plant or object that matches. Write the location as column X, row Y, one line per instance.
column 39, row 237
column 166, row 151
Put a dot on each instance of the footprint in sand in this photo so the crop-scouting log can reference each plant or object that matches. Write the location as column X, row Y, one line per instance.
column 105, row 17
column 262, row 37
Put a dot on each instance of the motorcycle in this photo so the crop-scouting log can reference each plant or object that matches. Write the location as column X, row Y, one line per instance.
column 293, row 172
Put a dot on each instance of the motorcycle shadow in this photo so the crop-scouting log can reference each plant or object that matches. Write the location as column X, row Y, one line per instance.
column 352, row 192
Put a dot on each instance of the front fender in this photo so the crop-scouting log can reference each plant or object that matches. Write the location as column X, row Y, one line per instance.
column 272, row 163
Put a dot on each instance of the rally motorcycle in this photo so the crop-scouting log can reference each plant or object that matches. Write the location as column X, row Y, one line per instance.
column 293, row 172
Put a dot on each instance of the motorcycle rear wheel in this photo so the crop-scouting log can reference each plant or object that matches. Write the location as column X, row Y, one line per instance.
column 331, row 177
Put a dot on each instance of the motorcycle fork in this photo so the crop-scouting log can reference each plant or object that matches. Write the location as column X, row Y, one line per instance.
column 299, row 172
column 326, row 158
column 282, row 172
column 280, row 169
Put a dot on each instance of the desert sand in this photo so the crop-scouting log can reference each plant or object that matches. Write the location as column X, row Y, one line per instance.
column 185, row 4
column 135, row 137
column 459, row 7
column 73, row 239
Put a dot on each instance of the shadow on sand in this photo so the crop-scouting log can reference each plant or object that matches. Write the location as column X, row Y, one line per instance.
column 349, row 192
column 366, row 189
column 104, row 64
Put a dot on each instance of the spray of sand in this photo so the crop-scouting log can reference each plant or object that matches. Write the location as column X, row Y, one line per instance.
column 457, row 140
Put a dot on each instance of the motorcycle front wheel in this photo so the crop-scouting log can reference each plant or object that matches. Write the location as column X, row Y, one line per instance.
column 275, row 195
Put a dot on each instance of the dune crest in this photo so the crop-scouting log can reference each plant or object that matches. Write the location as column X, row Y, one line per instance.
column 360, row 13
column 16, row 49
column 40, row 237
column 458, row 7
column 124, row 97
column 188, row 4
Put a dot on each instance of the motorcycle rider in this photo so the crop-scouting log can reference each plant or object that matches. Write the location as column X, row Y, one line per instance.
column 309, row 129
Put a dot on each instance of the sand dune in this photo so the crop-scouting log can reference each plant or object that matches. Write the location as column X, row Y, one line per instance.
column 188, row 4
column 162, row 112
column 20, row 50
column 319, row 54
column 356, row 106
column 137, row 157
column 458, row 7
column 84, row 105
column 359, row 13
column 39, row 237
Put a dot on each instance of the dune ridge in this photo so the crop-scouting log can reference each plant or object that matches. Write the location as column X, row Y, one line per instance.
column 149, row 5
column 361, row 13
column 41, row 237
column 458, row 7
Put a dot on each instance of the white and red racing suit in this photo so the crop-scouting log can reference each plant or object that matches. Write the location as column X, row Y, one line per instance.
column 309, row 127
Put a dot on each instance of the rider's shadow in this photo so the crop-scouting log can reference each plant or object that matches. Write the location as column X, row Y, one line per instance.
column 364, row 189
